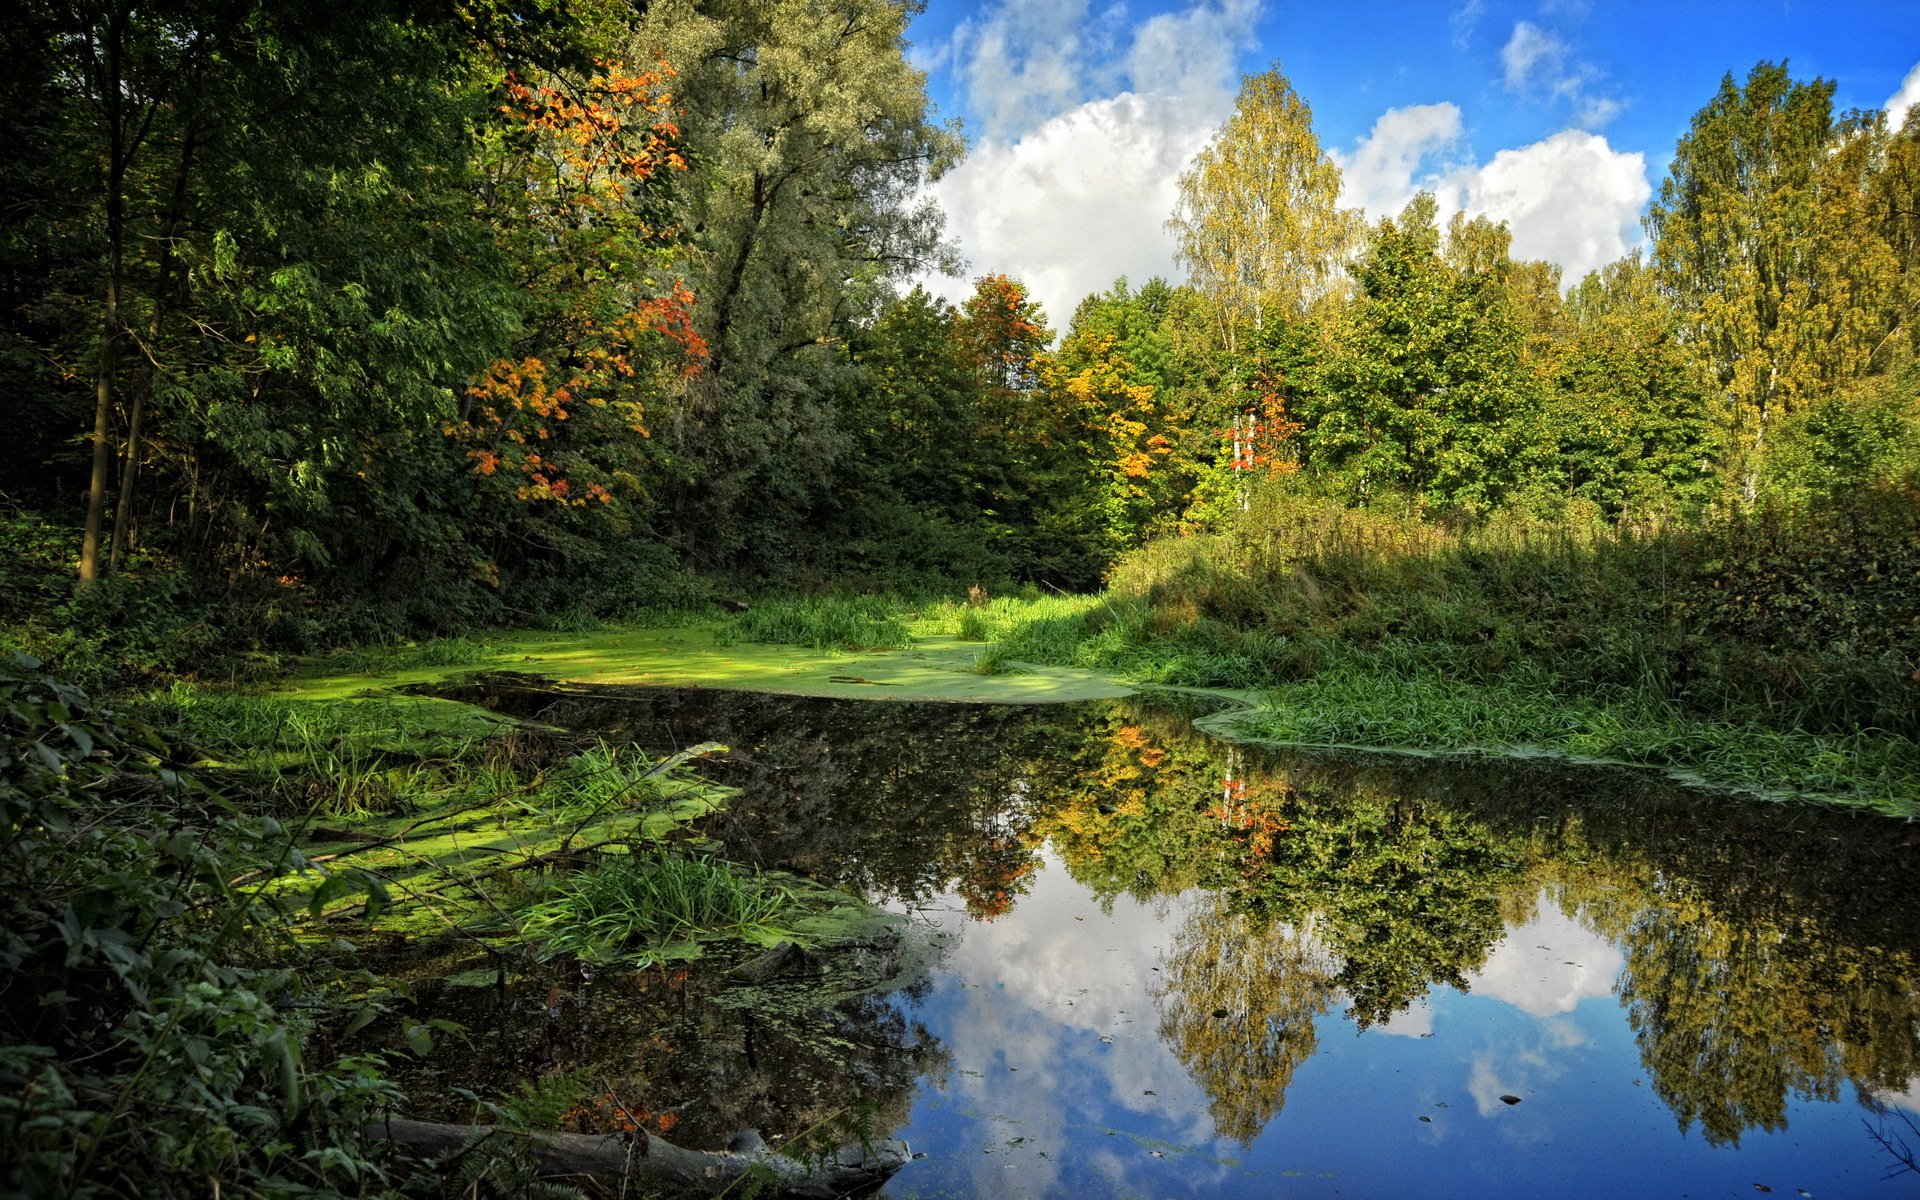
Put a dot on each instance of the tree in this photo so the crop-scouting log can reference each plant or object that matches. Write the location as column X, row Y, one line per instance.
column 813, row 137
column 558, row 423
column 1104, row 394
column 1766, row 236
column 277, row 284
column 1629, row 408
column 1426, row 394
column 1259, row 222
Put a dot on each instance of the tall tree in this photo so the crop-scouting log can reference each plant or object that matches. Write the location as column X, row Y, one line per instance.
column 1259, row 222
column 813, row 136
column 1766, row 236
column 1628, row 410
column 1427, row 394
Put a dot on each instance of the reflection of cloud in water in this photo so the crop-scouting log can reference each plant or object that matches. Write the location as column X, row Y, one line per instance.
column 1549, row 965
column 1909, row 1099
column 1027, row 1053
column 1415, row 1021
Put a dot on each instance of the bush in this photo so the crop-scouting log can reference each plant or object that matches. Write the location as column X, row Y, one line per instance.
column 136, row 1057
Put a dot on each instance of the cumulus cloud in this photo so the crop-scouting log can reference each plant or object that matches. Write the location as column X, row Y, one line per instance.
column 1902, row 101
column 1571, row 199
column 1379, row 174
column 1084, row 136
column 1547, row 967
column 1537, row 61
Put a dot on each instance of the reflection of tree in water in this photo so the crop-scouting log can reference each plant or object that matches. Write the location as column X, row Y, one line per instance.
column 1237, row 1003
column 894, row 799
column 1407, row 892
column 1770, row 952
column 1735, row 1017
column 694, row 1054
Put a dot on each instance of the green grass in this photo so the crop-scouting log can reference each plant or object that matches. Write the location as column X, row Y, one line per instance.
column 1661, row 648
column 1354, row 706
column 853, row 623
column 650, row 907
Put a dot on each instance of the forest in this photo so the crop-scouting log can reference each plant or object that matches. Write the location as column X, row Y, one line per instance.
column 407, row 328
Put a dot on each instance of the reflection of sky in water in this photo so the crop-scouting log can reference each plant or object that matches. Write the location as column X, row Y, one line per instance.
column 1060, row 1084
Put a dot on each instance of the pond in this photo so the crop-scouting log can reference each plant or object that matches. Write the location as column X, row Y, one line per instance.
column 1138, row 961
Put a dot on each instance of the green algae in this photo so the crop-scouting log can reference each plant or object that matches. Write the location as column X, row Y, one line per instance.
column 936, row 667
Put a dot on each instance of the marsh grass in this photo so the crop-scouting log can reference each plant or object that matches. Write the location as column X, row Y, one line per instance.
column 1356, row 704
column 649, row 907
column 852, row 623
column 1770, row 652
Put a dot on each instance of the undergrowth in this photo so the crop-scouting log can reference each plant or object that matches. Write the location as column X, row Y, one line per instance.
column 1776, row 651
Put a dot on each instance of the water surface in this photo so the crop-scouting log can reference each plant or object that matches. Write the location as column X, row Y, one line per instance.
column 1143, row 962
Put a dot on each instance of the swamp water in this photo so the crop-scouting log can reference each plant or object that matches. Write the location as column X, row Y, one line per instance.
column 1139, row 961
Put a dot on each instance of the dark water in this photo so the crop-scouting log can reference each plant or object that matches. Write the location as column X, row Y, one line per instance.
column 1142, row 962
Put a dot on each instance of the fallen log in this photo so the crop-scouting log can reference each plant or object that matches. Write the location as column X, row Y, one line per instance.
column 611, row 1162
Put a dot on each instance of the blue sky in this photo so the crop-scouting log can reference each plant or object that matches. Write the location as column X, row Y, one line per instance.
column 1558, row 116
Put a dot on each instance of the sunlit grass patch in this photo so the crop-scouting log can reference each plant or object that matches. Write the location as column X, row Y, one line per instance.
column 824, row 623
column 651, row 907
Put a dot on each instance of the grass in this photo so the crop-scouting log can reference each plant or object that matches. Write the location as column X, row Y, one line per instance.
column 1353, row 706
column 1662, row 648
column 650, row 907
column 852, row 623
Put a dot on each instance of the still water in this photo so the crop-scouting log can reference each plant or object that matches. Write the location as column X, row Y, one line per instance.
column 1139, row 961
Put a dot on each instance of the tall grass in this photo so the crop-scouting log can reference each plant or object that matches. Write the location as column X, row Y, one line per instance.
column 1777, row 648
column 638, row 908
column 825, row 623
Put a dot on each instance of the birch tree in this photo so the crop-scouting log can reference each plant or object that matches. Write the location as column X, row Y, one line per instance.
column 1260, row 226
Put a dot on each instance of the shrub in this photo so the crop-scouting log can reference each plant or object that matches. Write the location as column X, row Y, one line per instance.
column 136, row 1057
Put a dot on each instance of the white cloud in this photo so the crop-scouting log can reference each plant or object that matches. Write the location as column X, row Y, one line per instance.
column 1531, row 49
column 1571, row 199
column 1548, row 966
column 1902, row 101
column 1065, row 192
column 1538, row 61
column 1024, row 59
column 1379, row 174
column 1462, row 20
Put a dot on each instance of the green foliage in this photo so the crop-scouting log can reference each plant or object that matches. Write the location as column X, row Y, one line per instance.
column 1775, row 650
column 833, row 622
column 135, row 1056
column 645, row 908
column 143, row 624
column 1426, row 397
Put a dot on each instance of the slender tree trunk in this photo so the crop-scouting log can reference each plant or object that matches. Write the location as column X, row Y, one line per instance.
column 115, row 111
column 143, row 380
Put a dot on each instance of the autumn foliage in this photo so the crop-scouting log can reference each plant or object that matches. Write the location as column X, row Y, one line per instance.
column 574, row 187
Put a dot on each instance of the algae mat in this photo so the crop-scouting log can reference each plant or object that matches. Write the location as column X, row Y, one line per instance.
column 932, row 669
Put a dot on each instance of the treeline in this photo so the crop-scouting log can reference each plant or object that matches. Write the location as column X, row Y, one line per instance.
column 326, row 325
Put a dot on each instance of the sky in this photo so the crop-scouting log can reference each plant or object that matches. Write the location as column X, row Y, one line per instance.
column 1557, row 116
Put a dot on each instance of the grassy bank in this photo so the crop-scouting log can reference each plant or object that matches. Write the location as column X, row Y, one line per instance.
column 1772, row 654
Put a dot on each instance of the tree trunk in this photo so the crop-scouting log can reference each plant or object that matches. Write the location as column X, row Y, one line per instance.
column 610, row 1164
column 115, row 111
column 143, row 381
